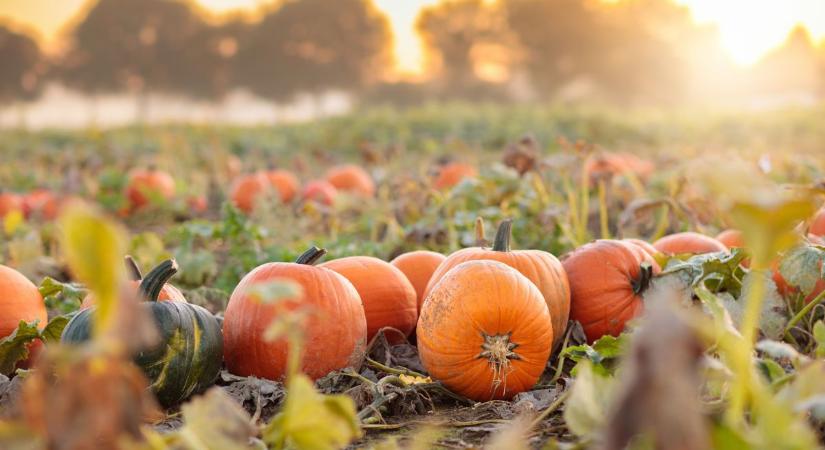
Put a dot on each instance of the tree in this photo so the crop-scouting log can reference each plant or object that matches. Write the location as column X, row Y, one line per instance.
column 309, row 46
column 20, row 71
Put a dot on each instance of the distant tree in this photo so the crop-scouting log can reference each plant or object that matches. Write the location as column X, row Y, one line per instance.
column 140, row 46
column 461, row 36
column 309, row 46
column 20, row 66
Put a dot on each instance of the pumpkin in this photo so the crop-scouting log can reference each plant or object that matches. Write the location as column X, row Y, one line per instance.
column 147, row 185
column 688, row 242
column 352, row 179
column 20, row 300
column 167, row 292
column 335, row 333
column 187, row 359
column 389, row 298
column 9, row 202
column 319, row 191
column 197, row 203
column 452, row 173
column 731, row 238
column 485, row 331
column 607, row 164
column 607, row 279
column 42, row 204
column 540, row 267
column 247, row 189
column 817, row 227
column 644, row 245
column 418, row 267
column 284, row 182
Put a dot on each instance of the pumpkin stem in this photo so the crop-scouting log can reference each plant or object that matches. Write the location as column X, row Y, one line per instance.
column 311, row 256
column 498, row 350
column 502, row 241
column 479, row 230
column 154, row 281
column 643, row 281
column 133, row 268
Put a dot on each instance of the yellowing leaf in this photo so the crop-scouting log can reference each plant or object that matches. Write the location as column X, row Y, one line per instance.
column 215, row 421
column 312, row 421
column 94, row 247
column 586, row 410
column 12, row 221
column 410, row 379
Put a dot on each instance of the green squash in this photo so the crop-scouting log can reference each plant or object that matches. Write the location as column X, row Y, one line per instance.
column 189, row 355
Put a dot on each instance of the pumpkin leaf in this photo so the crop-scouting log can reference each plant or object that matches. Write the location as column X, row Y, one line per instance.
column 64, row 297
column 770, row 369
column 587, row 408
column 94, row 247
column 719, row 271
column 14, row 347
column 215, row 421
column 54, row 329
column 603, row 354
column 802, row 267
column 312, row 421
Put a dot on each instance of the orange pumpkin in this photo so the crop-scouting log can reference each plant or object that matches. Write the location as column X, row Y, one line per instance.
column 335, row 332
column 540, row 267
column 389, row 298
column 644, row 245
column 688, row 242
column 319, row 191
column 284, row 182
column 197, row 203
column 617, row 164
column 167, row 292
column 731, row 238
column 42, row 204
column 818, row 224
column 247, row 190
column 451, row 174
column 146, row 185
column 10, row 202
column 20, row 300
column 351, row 178
column 485, row 331
column 607, row 279
column 418, row 266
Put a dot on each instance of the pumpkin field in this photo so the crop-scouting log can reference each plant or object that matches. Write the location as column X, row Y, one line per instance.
column 456, row 276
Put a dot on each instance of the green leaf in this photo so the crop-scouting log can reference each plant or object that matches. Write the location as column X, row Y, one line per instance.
column 770, row 369
column 802, row 267
column 312, row 421
column 725, row 438
column 94, row 247
column 587, row 408
column 216, row 421
column 719, row 271
column 819, row 337
column 604, row 353
column 147, row 248
column 14, row 347
column 55, row 328
column 64, row 297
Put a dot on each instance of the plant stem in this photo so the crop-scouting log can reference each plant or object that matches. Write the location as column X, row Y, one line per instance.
column 804, row 311
column 550, row 409
column 603, row 217
column 387, row 369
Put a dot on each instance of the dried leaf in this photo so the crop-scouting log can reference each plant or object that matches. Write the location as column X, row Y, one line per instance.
column 214, row 421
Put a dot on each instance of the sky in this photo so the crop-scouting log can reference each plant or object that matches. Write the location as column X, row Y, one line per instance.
column 748, row 28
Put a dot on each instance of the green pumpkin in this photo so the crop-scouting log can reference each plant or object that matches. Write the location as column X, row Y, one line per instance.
column 188, row 358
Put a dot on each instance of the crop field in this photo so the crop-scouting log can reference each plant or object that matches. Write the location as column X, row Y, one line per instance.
column 446, row 276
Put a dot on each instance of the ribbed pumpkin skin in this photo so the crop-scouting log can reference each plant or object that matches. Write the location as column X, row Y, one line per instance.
column 335, row 334
column 246, row 190
column 145, row 184
column 644, row 245
column 389, row 298
column 818, row 224
column 688, row 242
column 284, row 182
column 351, row 178
column 419, row 267
column 186, row 361
column 319, row 191
column 540, row 267
column 10, row 202
column 167, row 293
column 601, row 274
column 479, row 298
column 188, row 357
column 451, row 174
column 20, row 300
